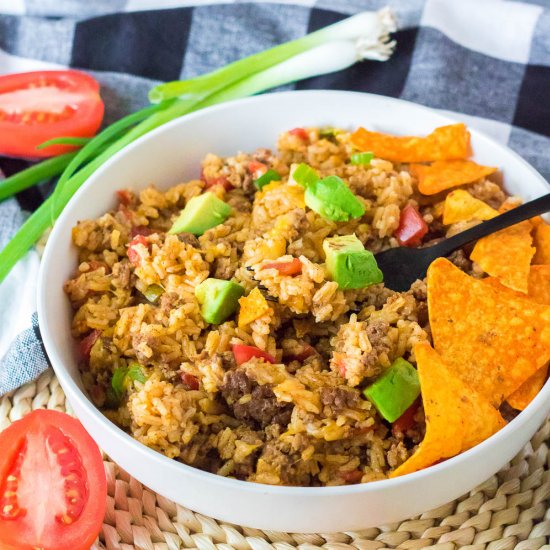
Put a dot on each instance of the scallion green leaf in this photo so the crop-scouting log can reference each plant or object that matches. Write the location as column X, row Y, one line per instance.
column 268, row 177
column 42, row 171
column 76, row 141
column 361, row 159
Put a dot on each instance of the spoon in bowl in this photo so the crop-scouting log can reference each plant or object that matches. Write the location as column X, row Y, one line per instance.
column 402, row 266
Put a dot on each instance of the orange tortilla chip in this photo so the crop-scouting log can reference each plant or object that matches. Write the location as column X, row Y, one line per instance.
column 445, row 174
column 253, row 306
column 539, row 291
column 528, row 390
column 444, row 143
column 507, row 255
column 542, row 244
column 538, row 288
column 457, row 417
column 490, row 339
column 461, row 206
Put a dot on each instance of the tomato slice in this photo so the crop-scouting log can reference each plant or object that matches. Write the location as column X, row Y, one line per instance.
column 244, row 353
column 53, row 487
column 294, row 267
column 41, row 105
column 412, row 227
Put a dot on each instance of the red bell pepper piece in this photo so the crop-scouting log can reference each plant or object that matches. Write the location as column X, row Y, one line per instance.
column 243, row 353
column 412, row 227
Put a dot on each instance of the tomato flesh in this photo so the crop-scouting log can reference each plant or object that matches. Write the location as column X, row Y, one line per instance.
column 244, row 353
column 406, row 420
column 299, row 132
column 412, row 227
column 192, row 382
column 291, row 268
column 87, row 343
column 52, row 484
column 41, row 105
column 133, row 254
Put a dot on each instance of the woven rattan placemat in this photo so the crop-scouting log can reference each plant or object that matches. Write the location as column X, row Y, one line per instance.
column 510, row 510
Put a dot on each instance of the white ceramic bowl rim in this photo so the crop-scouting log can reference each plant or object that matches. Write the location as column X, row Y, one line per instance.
column 115, row 431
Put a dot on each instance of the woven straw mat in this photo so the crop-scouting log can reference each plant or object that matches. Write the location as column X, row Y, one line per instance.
column 510, row 510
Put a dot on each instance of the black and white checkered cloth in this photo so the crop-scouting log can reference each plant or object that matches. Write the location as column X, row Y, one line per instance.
column 488, row 60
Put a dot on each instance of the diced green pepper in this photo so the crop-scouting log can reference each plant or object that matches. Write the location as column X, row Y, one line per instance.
column 395, row 391
column 153, row 293
column 218, row 299
column 349, row 264
column 268, row 177
column 123, row 376
column 361, row 159
column 328, row 132
column 118, row 382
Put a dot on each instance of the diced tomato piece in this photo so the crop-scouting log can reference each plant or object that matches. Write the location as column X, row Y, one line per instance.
column 412, row 227
column 141, row 230
column 291, row 268
column 222, row 180
column 341, row 366
column 87, row 343
column 307, row 351
column 133, row 255
column 124, row 197
column 257, row 168
column 53, row 486
column 299, row 132
column 192, row 382
column 244, row 353
column 353, row 476
column 406, row 420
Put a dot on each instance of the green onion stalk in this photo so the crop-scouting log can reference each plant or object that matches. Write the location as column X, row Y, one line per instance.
column 334, row 48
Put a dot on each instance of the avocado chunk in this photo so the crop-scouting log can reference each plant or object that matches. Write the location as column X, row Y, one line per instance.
column 218, row 299
column 200, row 214
column 349, row 264
column 333, row 200
column 395, row 391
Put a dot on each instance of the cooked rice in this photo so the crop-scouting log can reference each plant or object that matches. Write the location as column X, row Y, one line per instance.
column 300, row 421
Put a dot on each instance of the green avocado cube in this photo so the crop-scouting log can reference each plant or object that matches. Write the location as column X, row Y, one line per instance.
column 218, row 299
column 332, row 199
column 200, row 214
column 349, row 264
column 395, row 391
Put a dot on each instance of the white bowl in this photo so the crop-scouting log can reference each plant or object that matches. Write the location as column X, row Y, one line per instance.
column 172, row 154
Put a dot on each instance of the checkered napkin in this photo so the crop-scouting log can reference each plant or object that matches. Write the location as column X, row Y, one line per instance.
column 488, row 60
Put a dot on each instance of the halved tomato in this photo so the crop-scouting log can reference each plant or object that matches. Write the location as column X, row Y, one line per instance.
column 52, row 484
column 42, row 105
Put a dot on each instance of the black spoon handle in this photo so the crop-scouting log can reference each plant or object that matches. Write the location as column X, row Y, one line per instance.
column 524, row 212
